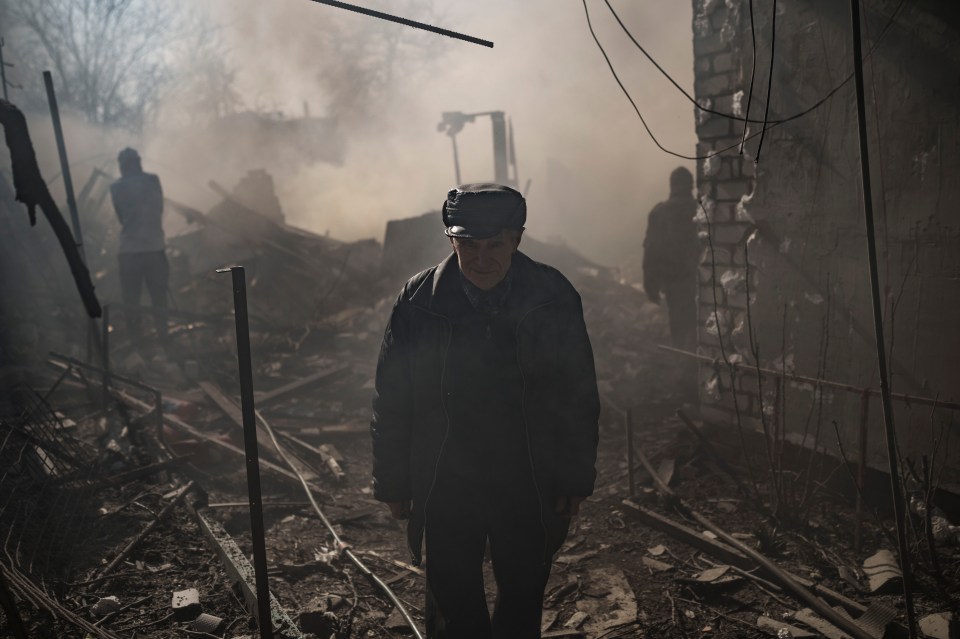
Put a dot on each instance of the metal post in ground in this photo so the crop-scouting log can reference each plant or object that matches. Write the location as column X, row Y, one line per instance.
column 3, row 71
column 861, row 465
column 899, row 506
column 628, row 423
column 105, row 354
column 250, row 447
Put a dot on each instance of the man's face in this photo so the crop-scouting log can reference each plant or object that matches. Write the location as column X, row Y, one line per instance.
column 485, row 262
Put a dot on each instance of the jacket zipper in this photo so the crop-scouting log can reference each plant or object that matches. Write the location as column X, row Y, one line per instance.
column 446, row 414
column 526, row 428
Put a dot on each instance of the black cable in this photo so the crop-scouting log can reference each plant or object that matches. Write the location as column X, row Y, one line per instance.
column 668, row 76
column 770, row 123
column 753, row 74
column 630, row 98
column 766, row 108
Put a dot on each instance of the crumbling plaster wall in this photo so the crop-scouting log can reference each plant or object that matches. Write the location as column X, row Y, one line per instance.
column 790, row 227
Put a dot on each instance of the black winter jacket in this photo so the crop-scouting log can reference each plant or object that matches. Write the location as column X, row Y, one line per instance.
column 560, row 403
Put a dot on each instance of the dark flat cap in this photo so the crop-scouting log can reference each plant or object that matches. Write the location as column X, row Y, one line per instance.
column 480, row 211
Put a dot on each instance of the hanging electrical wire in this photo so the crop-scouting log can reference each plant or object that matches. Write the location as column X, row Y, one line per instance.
column 770, row 123
column 339, row 544
column 766, row 108
column 753, row 74
column 634, row 104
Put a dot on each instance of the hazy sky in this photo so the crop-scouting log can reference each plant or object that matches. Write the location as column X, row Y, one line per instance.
column 594, row 173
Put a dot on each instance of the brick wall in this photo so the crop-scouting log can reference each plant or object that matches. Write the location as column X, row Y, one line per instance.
column 797, row 215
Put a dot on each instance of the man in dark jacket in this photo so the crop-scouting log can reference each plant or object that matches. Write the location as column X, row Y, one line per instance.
column 485, row 418
column 138, row 201
column 670, row 255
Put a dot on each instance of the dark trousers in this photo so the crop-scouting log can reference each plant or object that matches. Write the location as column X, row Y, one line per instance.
column 135, row 270
column 460, row 519
column 682, row 306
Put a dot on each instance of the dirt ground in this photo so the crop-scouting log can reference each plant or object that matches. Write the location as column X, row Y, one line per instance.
column 615, row 576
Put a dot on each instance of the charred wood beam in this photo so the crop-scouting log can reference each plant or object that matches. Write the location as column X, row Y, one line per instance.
column 774, row 572
column 32, row 190
column 230, row 408
column 143, row 534
column 276, row 394
column 184, row 427
column 240, row 571
column 328, row 460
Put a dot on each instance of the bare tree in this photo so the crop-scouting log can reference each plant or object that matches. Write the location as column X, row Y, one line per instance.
column 367, row 56
column 108, row 57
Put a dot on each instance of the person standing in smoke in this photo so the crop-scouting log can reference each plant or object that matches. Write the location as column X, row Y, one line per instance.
column 138, row 201
column 485, row 418
column 670, row 256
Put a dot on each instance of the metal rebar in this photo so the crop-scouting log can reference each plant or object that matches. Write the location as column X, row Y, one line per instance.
column 814, row 381
column 105, row 355
column 895, row 486
column 250, row 446
column 628, row 424
column 405, row 21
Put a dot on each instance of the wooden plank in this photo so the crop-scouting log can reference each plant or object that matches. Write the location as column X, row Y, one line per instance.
column 691, row 537
column 232, row 410
column 184, row 427
column 268, row 397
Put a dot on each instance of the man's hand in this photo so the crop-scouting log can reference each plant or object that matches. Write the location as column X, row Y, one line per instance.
column 399, row 509
column 569, row 506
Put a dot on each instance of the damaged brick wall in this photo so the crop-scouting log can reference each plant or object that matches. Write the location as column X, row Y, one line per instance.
column 797, row 215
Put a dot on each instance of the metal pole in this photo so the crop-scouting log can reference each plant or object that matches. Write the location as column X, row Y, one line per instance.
column 895, row 487
column 3, row 72
column 456, row 158
column 861, row 465
column 92, row 341
column 64, row 164
column 105, row 353
column 250, row 446
column 628, row 422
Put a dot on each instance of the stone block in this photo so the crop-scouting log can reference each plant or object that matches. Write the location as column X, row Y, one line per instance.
column 710, row 43
column 715, row 127
column 732, row 190
column 718, row 19
column 723, row 212
column 723, row 62
column 702, row 66
column 186, row 604
column 714, row 85
column 729, row 233
column 319, row 616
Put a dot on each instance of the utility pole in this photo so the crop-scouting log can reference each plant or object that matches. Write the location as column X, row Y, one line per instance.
column 3, row 72
column 896, row 488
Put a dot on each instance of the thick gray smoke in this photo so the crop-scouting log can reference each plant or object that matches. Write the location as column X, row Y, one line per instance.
column 594, row 174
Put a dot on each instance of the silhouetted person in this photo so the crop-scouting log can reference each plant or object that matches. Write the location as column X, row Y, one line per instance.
column 138, row 200
column 670, row 256
column 485, row 418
